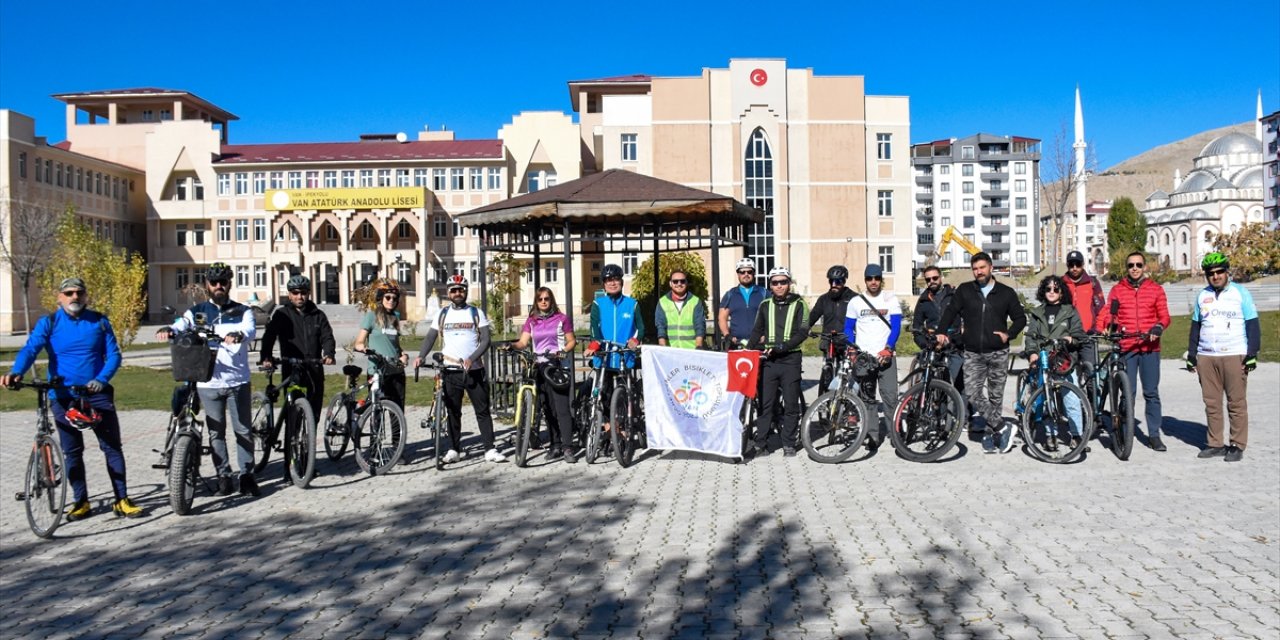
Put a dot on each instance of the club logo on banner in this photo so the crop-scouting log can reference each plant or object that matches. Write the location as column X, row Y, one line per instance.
column 688, row 402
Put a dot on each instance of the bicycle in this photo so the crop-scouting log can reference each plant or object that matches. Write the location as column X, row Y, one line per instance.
column 44, row 490
column 193, row 353
column 593, row 414
column 528, row 408
column 381, row 430
column 342, row 412
column 932, row 414
column 626, row 409
column 1109, row 393
column 435, row 420
column 1041, row 407
column 297, row 418
column 841, row 415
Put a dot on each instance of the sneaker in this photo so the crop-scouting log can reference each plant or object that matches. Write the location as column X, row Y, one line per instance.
column 493, row 455
column 989, row 443
column 751, row 451
column 125, row 508
column 554, row 453
column 249, row 486
column 405, row 460
column 872, row 444
column 225, row 487
column 1212, row 452
column 788, row 452
column 79, row 511
column 569, row 456
column 1234, row 454
column 1005, row 438
column 451, row 457
column 1157, row 445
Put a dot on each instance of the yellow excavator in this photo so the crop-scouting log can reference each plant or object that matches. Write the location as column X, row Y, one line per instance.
column 953, row 235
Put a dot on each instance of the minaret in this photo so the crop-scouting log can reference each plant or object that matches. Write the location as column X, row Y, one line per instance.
column 1081, row 176
column 1257, row 119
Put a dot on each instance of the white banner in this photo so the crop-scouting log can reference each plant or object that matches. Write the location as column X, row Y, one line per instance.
column 687, row 405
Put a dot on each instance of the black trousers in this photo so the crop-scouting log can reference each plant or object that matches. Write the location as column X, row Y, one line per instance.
column 475, row 383
column 555, row 411
column 313, row 378
column 780, row 391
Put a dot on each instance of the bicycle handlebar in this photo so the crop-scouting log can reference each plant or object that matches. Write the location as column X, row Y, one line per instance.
column 289, row 361
column 39, row 385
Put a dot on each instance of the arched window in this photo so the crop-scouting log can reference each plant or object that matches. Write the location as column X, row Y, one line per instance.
column 1184, row 259
column 1184, row 237
column 758, row 185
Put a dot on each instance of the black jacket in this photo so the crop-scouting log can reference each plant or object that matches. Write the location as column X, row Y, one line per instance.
column 983, row 316
column 929, row 308
column 832, row 310
column 302, row 334
column 786, row 347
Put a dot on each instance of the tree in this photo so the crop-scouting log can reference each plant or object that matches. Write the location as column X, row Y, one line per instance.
column 1060, row 179
column 642, row 282
column 502, row 275
column 114, row 277
column 1126, row 227
column 1253, row 250
column 27, row 236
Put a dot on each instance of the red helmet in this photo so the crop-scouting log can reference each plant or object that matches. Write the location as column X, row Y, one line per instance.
column 456, row 281
column 1060, row 362
column 83, row 416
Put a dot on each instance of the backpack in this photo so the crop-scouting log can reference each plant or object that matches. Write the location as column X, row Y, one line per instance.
column 475, row 318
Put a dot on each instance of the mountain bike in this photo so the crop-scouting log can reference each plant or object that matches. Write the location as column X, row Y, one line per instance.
column 342, row 412
column 381, row 430
column 838, row 422
column 528, row 408
column 592, row 418
column 626, row 410
column 436, row 415
column 931, row 414
column 1109, row 393
column 44, row 490
column 193, row 353
column 296, row 417
column 1042, row 405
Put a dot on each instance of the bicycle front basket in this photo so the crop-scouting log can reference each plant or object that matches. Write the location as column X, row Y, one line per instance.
column 193, row 360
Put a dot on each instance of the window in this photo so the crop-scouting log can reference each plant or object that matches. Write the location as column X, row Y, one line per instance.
column 197, row 234
column 1020, row 238
column 196, row 185
column 366, row 231
column 475, row 271
column 1022, row 256
column 967, row 222
column 48, row 171
column 886, row 259
column 495, row 179
column 419, row 177
column 885, row 199
column 242, row 184
column 166, row 114
column 629, row 152
column 181, row 230
column 455, row 179
column 967, row 187
column 440, row 273
column 758, row 187
column 295, row 179
column 22, row 164
column 277, row 180
column 437, row 180
column 551, row 271
column 966, row 153
column 348, row 179
column 313, row 180
column 39, row 165
column 1020, row 203
column 997, row 238
column 384, row 177
column 997, row 185
column 148, row 115
column 438, row 225
column 477, row 178
column 224, row 231
column 945, row 221
column 403, row 230
column 630, row 262
column 181, row 277
column 404, row 273
column 944, row 170
column 180, row 189
column 1020, row 186
column 1020, row 221
column 224, row 184
column 1020, row 168
column 259, row 183
column 944, row 204
column 58, row 176
column 260, row 276
column 242, row 276
column 366, row 177
column 259, row 230
column 966, row 170
column 997, row 220
column 884, row 146
column 968, row 204
column 242, row 230
column 330, row 232
column 457, row 228
column 945, row 187
column 402, row 177
column 79, row 179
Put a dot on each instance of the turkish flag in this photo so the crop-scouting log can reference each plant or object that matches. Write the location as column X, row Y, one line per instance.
column 744, row 371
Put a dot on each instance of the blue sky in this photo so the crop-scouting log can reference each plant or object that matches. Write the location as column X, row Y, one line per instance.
column 1150, row 72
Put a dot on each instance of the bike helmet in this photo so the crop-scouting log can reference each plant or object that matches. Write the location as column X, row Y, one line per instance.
column 1215, row 260
column 386, row 285
column 83, row 416
column 298, row 283
column 611, row 271
column 456, row 281
column 218, row 271
column 746, row 263
column 558, row 377
column 779, row 271
column 838, row 272
column 1060, row 362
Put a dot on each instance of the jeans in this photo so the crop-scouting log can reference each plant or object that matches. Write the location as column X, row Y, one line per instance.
column 1147, row 364
column 237, row 403
column 1075, row 412
column 72, row 439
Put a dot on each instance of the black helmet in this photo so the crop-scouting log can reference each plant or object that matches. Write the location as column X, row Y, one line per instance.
column 838, row 272
column 299, row 282
column 611, row 271
column 218, row 271
column 558, row 377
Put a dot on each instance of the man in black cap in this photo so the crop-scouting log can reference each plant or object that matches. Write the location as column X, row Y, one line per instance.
column 1087, row 298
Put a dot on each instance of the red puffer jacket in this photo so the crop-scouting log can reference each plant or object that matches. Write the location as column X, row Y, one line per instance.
column 1136, row 309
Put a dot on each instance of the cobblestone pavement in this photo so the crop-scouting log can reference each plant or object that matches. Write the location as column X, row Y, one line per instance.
column 680, row 545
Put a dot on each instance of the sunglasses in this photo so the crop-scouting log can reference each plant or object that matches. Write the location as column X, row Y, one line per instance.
column 876, row 278
column 73, row 294
column 544, row 299
column 298, row 292
column 837, row 281
column 1216, row 272
column 613, row 279
column 1052, row 289
column 673, row 281
column 1136, row 265
column 457, row 290
column 220, row 283
column 779, row 283
column 933, row 279
column 391, row 296
column 1075, row 264
column 745, row 272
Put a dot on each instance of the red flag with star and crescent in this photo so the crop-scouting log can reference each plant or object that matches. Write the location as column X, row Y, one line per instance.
column 744, row 370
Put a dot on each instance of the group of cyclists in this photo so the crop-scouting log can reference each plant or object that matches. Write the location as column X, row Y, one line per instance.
column 978, row 319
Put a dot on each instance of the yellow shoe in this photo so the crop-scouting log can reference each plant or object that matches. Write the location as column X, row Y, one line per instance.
column 79, row 511
column 125, row 508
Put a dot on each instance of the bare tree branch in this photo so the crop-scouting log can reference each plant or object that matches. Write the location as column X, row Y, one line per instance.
column 28, row 231
column 1059, row 180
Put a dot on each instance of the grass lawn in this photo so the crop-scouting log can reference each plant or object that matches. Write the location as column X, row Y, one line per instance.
column 1175, row 338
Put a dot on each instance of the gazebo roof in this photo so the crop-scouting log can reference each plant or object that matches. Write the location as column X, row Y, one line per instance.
column 615, row 196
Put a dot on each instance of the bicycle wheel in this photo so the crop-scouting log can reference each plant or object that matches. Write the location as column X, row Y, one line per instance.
column 265, row 431
column 337, row 425
column 525, row 426
column 437, row 428
column 834, row 427
column 1121, row 404
column 750, row 408
column 925, row 429
column 302, row 444
column 46, row 487
column 625, row 424
column 184, row 473
column 595, row 429
column 380, row 436
column 1046, row 427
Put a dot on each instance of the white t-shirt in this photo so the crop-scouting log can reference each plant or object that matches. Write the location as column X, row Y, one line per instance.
column 870, row 332
column 460, row 334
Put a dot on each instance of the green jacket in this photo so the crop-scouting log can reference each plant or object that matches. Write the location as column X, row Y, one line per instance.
column 1066, row 323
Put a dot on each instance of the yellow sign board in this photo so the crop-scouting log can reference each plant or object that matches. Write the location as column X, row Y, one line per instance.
column 329, row 199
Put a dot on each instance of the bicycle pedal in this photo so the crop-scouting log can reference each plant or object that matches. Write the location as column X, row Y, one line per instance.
column 159, row 465
column 20, row 496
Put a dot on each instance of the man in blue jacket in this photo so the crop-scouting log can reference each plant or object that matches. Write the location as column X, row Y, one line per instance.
column 83, row 352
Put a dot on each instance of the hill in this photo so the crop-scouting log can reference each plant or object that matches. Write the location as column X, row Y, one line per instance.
column 1138, row 176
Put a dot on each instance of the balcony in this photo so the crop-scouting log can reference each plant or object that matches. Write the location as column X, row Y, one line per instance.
column 1002, row 176
column 995, row 246
column 995, row 211
column 924, row 214
column 995, row 193
column 924, row 196
column 926, row 248
column 924, row 179
column 995, row 228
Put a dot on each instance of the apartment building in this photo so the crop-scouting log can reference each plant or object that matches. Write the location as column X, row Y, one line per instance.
column 1271, row 163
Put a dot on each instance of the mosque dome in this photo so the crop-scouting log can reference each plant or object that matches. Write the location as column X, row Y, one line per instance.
column 1250, row 178
column 1197, row 180
column 1231, row 143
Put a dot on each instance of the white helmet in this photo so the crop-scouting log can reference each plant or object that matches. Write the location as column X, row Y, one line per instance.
column 746, row 263
column 779, row 271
